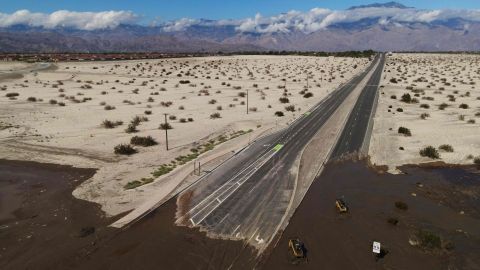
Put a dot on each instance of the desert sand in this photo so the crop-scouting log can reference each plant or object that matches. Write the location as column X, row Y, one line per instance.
column 57, row 115
column 442, row 109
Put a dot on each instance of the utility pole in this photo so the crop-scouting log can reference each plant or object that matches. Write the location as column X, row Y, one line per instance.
column 166, row 131
column 247, row 101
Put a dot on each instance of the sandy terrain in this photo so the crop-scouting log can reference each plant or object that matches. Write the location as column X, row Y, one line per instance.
column 431, row 79
column 44, row 131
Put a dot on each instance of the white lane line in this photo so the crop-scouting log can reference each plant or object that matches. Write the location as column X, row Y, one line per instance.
column 236, row 228
column 228, row 194
column 223, row 219
column 228, row 182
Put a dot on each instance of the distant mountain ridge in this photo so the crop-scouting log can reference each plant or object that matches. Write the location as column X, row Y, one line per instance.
column 384, row 27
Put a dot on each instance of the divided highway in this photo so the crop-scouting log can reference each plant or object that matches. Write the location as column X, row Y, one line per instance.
column 248, row 197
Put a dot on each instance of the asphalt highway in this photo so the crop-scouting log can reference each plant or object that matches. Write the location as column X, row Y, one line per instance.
column 355, row 131
column 247, row 197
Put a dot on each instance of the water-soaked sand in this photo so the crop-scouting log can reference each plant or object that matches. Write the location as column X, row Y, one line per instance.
column 335, row 241
column 44, row 223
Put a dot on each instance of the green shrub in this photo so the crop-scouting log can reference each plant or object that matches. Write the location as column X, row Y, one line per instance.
column 424, row 116
column 406, row 98
column 446, row 148
column 430, row 152
column 143, row 141
column 405, row 131
column 442, row 106
column 124, row 149
column 13, row 94
column 308, row 95
column 429, row 240
column 164, row 126
column 476, row 160
column 284, row 100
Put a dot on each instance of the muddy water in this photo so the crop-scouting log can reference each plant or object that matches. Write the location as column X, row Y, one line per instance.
column 40, row 224
column 40, row 221
column 157, row 243
column 435, row 199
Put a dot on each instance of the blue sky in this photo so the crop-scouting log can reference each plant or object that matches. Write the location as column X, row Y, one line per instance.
column 212, row 9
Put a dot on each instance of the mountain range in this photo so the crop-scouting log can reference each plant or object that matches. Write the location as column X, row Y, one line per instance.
column 383, row 27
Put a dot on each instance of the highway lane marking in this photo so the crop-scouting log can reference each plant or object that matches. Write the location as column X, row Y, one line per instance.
column 227, row 192
column 228, row 182
column 236, row 228
column 278, row 147
column 223, row 219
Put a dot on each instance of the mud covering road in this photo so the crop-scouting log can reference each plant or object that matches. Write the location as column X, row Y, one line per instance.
column 435, row 198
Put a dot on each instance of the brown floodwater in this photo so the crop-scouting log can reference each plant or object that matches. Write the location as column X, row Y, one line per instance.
column 435, row 198
column 41, row 224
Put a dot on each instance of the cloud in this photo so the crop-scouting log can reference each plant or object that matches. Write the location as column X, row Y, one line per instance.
column 72, row 19
column 318, row 19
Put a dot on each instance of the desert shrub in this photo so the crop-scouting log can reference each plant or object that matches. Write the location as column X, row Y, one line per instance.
column 148, row 112
column 425, row 106
column 182, row 120
column 52, row 101
column 190, row 119
column 111, row 124
column 212, row 101
column 219, row 108
column 32, row 99
column 284, row 100
column 253, row 109
column 181, row 107
column 429, row 240
column 399, row 110
column 424, row 115
column 13, row 94
column 132, row 128
column 242, row 94
column 393, row 80
column 164, row 126
column 401, row 205
column 215, row 115
column 308, row 95
column 471, row 121
column 446, row 147
column 463, row 106
column 393, row 97
column 124, row 149
column 430, row 152
column 476, row 160
column 172, row 117
column 290, row 108
column 109, row 107
column 406, row 98
column 143, row 141
column 279, row 113
column 405, row 131
column 442, row 106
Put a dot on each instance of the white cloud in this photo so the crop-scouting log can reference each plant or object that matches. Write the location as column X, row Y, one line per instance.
column 317, row 18
column 65, row 18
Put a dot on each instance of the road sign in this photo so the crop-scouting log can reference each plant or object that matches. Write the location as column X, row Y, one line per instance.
column 376, row 247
